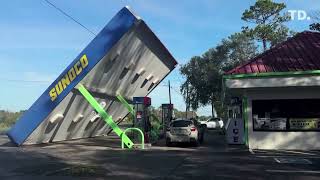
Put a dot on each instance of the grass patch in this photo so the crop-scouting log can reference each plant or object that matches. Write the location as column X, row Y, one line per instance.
column 3, row 129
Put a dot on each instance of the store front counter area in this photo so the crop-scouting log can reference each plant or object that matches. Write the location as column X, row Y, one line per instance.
column 286, row 115
column 284, row 123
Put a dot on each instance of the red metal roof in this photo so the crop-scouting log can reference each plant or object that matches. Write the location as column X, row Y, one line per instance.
column 299, row 53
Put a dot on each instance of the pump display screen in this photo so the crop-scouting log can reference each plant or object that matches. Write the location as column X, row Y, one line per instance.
column 139, row 115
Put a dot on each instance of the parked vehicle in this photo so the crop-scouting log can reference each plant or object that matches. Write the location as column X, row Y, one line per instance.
column 214, row 123
column 205, row 122
column 184, row 130
column 201, row 129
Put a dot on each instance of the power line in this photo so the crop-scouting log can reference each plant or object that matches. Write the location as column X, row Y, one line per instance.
column 69, row 16
column 172, row 87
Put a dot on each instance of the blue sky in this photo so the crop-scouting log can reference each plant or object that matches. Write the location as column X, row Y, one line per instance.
column 38, row 42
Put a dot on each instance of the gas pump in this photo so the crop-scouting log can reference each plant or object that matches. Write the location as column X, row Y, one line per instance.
column 142, row 116
column 167, row 115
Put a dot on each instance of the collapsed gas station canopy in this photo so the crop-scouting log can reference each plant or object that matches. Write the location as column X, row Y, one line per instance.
column 125, row 58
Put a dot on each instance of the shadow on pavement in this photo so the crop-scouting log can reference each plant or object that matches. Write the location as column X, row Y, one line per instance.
column 102, row 158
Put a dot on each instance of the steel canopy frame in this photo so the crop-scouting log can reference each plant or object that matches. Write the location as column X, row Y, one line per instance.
column 125, row 48
column 106, row 117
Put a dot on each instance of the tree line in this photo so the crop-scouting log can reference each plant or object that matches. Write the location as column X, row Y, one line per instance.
column 265, row 27
column 8, row 118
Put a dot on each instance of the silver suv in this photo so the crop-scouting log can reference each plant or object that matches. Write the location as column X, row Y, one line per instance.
column 184, row 130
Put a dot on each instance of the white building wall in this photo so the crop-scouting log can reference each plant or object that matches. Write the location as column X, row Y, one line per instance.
column 273, row 82
column 282, row 140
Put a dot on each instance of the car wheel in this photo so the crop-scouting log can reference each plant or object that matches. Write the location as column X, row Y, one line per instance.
column 222, row 132
column 195, row 143
column 168, row 142
column 201, row 139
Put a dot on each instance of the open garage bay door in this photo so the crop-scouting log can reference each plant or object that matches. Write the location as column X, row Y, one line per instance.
column 124, row 58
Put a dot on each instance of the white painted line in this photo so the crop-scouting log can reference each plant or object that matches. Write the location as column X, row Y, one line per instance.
column 276, row 160
column 291, row 171
column 308, row 157
column 292, row 160
column 297, row 152
column 251, row 151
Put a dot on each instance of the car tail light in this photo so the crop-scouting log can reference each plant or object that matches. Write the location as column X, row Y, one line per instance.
column 193, row 129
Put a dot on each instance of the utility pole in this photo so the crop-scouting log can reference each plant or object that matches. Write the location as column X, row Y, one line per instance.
column 169, row 93
column 187, row 101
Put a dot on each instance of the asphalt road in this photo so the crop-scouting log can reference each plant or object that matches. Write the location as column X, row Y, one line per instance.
column 102, row 158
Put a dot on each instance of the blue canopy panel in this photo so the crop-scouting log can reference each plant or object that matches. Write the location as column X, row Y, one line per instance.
column 124, row 58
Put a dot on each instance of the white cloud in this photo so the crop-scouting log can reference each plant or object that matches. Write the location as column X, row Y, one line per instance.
column 39, row 77
column 28, row 78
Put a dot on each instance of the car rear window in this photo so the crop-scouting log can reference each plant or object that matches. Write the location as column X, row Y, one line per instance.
column 215, row 119
column 181, row 123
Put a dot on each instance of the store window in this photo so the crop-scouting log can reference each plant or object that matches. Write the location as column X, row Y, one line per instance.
column 286, row 115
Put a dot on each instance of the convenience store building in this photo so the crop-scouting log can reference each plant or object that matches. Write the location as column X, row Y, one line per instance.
column 280, row 93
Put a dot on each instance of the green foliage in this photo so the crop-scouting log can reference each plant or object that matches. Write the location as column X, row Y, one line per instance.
column 7, row 119
column 194, row 70
column 203, row 118
column 315, row 26
column 240, row 49
column 204, row 73
column 182, row 114
column 269, row 28
column 156, row 127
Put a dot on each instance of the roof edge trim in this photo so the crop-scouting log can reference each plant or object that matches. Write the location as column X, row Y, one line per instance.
column 273, row 74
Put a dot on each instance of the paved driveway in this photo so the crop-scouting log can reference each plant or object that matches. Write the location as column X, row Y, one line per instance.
column 102, row 158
